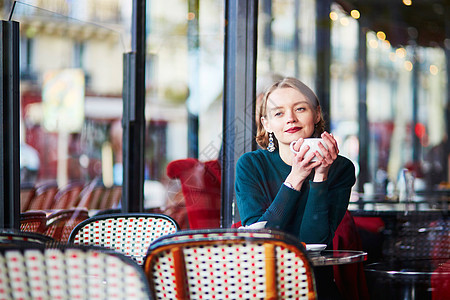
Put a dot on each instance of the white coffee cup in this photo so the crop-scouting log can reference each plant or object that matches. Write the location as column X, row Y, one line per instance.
column 313, row 144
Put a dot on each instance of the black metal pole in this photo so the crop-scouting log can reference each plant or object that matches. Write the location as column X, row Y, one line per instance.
column 9, row 116
column 363, row 133
column 193, row 45
column 415, row 103
column 241, row 19
column 447, row 108
column 134, row 113
column 323, row 58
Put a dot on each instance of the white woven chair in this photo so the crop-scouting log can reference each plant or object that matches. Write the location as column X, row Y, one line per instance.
column 128, row 233
column 229, row 264
column 73, row 272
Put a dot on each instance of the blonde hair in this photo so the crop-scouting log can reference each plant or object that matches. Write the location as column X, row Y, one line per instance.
column 262, row 137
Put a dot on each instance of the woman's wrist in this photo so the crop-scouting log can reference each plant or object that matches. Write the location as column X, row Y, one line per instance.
column 289, row 185
column 292, row 184
column 320, row 177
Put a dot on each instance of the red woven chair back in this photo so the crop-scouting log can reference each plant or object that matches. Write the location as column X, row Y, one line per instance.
column 33, row 221
column 68, row 196
column 61, row 223
column 26, row 196
column 44, row 197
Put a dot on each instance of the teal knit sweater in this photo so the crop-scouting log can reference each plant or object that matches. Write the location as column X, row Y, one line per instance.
column 311, row 214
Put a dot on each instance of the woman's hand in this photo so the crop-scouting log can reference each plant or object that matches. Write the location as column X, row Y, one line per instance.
column 301, row 165
column 329, row 156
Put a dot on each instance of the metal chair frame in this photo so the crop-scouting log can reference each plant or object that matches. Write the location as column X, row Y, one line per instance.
column 13, row 235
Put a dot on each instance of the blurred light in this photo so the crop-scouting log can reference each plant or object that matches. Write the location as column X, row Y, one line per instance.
column 386, row 44
column 407, row 2
column 373, row 44
column 191, row 16
column 355, row 14
column 344, row 21
column 84, row 161
column 434, row 69
column 333, row 16
column 392, row 56
column 420, row 130
column 381, row 35
column 408, row 65
column 401, row 52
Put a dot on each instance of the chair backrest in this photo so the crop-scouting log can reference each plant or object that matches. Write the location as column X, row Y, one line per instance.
column 109, row 198
column 229, row 264
column 129, row 233
column 33, row 221
column 61, row 223
column 13, row 235
column 91, row 194
column 68, row 196
column 27, row 194
column 200, row 183
column 44, row 197
column 28, row 272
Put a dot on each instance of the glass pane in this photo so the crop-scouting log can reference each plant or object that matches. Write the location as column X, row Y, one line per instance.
column 184, row 110
column 406, row 91
column 71, row 94
column 184, row 71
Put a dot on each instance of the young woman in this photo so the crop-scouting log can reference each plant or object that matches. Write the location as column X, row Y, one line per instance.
column 288, row 190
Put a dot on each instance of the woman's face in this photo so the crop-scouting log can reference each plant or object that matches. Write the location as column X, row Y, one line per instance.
column 290, row 116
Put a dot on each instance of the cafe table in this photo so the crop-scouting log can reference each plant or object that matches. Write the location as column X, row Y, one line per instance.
column 406, row 279
column 323, row 262
column 336, row 257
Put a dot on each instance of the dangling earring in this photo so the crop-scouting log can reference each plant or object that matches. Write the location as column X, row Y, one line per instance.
column 271, row 145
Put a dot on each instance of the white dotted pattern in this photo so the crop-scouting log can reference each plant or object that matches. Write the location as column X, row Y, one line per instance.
column 130, row 236
column 71, row 274
column 229, row 270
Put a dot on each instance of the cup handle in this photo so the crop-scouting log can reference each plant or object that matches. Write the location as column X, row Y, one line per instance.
column 291, row 146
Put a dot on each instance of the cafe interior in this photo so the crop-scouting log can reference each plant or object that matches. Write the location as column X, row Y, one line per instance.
column 123, row 121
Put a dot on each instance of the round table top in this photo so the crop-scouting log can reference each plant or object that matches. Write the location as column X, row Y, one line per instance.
column 336, row 257
column 410, row 268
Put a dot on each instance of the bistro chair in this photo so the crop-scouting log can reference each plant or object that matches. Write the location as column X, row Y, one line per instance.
column 91, row 194
column 229, row 264
column 33, row 221
column 27, row 193
column 9, row 235
column 69, row 272
column 61, row 223
column 68, row 196
column 44, row 196
column 129, row 233
column 200, row 184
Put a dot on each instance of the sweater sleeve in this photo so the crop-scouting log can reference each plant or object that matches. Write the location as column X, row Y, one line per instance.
column 327, row 203
column 253, row 198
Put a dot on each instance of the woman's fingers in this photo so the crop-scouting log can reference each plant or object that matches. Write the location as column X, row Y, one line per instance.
column 330, row 141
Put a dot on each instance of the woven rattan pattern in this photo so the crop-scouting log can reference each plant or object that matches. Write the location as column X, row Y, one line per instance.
column 68, row 274
column 229, row 270
column 129, row 235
